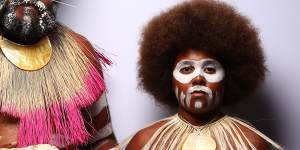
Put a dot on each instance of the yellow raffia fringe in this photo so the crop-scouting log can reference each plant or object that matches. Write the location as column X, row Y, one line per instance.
column 58, row 81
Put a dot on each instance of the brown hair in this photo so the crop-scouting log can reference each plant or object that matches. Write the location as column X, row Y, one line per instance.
column 207, row 25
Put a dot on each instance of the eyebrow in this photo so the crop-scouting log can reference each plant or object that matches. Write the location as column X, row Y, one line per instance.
column 185, row 62
column 191, row 62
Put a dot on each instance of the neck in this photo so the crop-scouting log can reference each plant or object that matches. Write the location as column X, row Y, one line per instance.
column 199, row 119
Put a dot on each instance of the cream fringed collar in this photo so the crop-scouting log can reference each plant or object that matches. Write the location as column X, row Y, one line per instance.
column 225, row 133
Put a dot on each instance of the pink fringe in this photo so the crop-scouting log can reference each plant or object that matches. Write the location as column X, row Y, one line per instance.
column 94, row 87
column 65, row 122
column 102, row 57
column 60, row 124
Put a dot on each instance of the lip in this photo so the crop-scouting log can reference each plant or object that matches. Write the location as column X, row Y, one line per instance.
column 198, row 94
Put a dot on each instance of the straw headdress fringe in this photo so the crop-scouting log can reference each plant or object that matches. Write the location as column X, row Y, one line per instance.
column 49, row 101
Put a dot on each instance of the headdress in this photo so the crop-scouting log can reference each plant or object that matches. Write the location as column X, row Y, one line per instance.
column 48, row 101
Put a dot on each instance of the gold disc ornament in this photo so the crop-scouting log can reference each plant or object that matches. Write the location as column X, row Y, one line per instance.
column 27, row 57
column 199, row 142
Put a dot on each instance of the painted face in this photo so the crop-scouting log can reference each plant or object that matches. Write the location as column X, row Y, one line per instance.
column 26, row 21
column 197, row 81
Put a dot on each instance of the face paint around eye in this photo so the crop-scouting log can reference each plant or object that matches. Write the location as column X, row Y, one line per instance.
column 185, row 78
column 199, row 67
column 217, row 76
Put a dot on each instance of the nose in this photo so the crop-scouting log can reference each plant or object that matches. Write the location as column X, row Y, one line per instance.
column 199, row 80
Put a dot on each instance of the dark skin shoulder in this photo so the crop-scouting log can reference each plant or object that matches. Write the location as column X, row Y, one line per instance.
column 141, row 138
column 8, row 131
column 254, row 138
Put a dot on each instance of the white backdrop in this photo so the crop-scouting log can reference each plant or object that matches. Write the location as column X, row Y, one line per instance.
column 115, row 25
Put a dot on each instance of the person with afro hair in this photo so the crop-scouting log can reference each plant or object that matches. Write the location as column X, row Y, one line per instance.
column 196, row 57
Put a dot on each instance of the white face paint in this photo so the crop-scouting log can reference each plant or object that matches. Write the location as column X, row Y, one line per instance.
column 185, row 98
column 198, row 105
column 210, row 69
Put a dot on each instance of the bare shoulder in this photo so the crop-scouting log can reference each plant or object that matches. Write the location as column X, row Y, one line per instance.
column 8, row 131
column 254, row 138
column 143, row 136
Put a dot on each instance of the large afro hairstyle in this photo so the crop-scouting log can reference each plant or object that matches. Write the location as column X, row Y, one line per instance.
column 205, row 25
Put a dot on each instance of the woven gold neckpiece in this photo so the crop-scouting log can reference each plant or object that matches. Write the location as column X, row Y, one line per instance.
column 27, row 57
